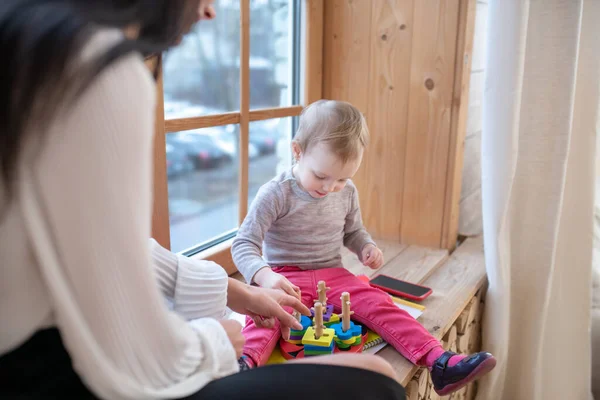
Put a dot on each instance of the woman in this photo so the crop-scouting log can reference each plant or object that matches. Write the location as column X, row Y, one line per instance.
column 81, row 298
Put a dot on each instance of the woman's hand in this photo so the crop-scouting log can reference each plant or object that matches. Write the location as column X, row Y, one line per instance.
column 268, row 279
column 234, row 333
column 265, row 305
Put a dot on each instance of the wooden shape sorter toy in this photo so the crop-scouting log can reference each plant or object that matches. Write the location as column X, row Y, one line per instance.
column 322, row 292
column 326, row 332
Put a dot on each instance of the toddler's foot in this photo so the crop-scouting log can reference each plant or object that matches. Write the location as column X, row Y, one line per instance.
column 245, row 363
column 451, row 371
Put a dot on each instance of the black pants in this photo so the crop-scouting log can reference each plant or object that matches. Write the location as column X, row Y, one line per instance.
column 41, row 369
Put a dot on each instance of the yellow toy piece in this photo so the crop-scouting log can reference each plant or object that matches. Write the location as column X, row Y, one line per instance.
column 276, row 357
column 324, row 340
column 334, row 319
column 348, row 341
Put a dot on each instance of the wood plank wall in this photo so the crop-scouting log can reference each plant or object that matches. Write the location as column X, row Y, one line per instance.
column 406, row 65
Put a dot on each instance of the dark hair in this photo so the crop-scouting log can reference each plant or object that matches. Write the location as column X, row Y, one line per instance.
column 39, row 39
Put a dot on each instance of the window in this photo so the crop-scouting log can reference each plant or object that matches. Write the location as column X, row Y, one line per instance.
column 231, row 94
column 202, row 170
column 201, row 76
column 270, row 154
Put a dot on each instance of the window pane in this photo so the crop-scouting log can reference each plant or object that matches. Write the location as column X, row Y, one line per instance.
column 271, row 53
column 269, row 151
column 202, row 167
column 202, row 75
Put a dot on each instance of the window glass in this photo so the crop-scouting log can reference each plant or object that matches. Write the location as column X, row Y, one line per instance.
column 271, row 53
column 269, row 151
column 202, row 168
column 201, row 75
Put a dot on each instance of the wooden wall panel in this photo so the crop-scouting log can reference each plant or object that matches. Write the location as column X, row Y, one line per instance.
column 387, row 117
column 347, row 28
column 458, row 130
column 431, row 91
column 396, row 61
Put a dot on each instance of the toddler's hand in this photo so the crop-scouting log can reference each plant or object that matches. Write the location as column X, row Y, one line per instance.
column 372, row 257
column 272, row 280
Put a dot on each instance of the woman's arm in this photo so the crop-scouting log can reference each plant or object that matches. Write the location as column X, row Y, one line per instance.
column 87, row 204
column 165, row 268
column 194, row 286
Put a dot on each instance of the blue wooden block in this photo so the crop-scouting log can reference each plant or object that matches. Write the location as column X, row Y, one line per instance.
column 319, row 349
column 317, row 353
column 355, row 330
column 306, row 322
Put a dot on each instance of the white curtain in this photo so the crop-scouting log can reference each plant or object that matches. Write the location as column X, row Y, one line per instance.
column 539, row 124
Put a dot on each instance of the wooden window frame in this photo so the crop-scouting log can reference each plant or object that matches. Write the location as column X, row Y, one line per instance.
column 312, row 11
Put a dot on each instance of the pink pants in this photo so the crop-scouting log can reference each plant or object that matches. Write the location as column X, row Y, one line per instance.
column 372, row 307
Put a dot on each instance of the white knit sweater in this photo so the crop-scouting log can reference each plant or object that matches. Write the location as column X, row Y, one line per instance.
column 74, row 251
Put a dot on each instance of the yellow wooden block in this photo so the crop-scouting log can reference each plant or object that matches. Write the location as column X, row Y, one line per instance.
column 324, row 341
column 276, row 357
column 348, row 341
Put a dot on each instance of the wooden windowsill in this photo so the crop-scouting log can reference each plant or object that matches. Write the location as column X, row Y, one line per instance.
column 220, row 254
column 455, row 282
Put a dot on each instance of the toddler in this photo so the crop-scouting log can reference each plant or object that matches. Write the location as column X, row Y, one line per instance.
column 301, row 219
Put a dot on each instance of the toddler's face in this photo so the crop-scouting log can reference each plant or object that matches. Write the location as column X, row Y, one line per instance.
column 320, row 172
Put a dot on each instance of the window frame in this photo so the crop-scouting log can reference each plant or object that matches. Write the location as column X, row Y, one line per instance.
column 311, row 16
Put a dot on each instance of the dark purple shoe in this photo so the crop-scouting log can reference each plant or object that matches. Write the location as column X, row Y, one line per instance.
column 244, row 363
column 447, row 379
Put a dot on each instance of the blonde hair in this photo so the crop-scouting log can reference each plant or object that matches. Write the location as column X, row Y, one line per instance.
column 338, row 124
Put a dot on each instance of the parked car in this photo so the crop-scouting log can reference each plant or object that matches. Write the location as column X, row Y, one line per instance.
column 228, row 139
column 178, row 162
column 200, row 149
column 210, row 147
column 265, row 135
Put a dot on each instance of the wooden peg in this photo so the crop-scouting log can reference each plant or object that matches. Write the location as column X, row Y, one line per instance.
column 318, row 320
column 322, row 291
column 346, row 313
